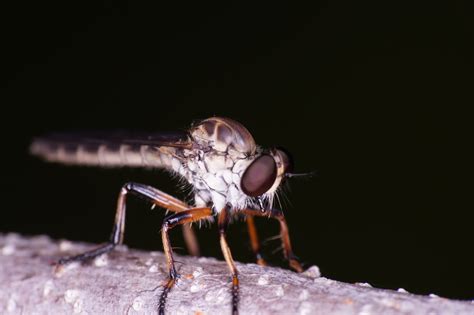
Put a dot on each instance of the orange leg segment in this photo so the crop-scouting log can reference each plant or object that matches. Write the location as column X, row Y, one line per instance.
column 180, row 218
column 254, row 241
column 156, row 196
column 284, row 234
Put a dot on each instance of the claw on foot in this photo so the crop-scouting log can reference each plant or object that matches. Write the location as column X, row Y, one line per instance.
column 166, row 289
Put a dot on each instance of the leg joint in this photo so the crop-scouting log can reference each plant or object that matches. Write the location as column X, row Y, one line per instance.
column 128, row 186
column 166, row 225
column 172, row 221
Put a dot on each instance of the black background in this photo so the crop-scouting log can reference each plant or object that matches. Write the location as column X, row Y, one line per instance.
column 373, row 96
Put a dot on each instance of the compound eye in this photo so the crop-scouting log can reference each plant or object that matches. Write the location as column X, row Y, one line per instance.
column 259, row 176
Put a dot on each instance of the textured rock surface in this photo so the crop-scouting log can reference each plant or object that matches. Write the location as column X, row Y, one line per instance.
column 128, row 282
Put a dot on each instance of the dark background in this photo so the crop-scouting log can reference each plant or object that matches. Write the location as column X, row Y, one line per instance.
column 373, row 96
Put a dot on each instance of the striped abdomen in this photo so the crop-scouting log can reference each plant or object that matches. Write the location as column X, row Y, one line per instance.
column 114, row 152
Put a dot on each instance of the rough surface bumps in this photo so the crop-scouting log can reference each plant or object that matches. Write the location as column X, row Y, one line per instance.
column 128, row 282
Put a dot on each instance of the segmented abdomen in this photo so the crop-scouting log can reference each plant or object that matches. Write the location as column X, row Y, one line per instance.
column 100, row 153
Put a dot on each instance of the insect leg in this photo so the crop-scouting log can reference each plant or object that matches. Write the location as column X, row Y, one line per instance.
column 166, row 201
column 284, row 234
column 223, row 221
column 254, row 242
column 169, row 202
column 156, row 196
column 170, row 222
column 190, row 239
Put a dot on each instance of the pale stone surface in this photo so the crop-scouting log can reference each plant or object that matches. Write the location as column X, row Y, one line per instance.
column 125, row 285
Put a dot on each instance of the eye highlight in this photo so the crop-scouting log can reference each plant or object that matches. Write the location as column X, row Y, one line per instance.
column 259, row 176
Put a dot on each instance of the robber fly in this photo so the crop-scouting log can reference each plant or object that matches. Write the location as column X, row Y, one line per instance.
column 229, row 174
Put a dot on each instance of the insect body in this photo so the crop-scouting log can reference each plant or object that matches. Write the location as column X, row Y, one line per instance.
column 229, row 174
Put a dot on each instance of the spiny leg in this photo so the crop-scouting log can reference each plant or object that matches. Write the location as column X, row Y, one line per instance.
column 177, row 205
column 156, row 196
column 223, row 221
column 284, row 234
column 180, row 218
column 254, row 242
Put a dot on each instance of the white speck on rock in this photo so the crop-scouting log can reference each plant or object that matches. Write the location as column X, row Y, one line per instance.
column 433, row 295
column 197, row 272
column 303, row 295
column 263, row 280
column 77, row 307
column 71, row 295
column 8, row 249
column 216, row 296
column 195, row 287
column 324, row 281
column 402, row 290
column 48, row 287
column 149, row 262
column 313, row 272
column 65, row 246
column 279, row 291
column 101, row 261
column 153, row 268
column 59, row 270
column 366, row 309
column 11, row 304
column 204, row 259
column 137, row 304
column 305, row 309
column 364, row 284
column 155, row 253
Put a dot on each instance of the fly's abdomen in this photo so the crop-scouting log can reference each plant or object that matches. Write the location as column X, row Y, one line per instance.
column 100, row 153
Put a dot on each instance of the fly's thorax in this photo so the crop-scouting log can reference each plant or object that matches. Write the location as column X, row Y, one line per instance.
column 223, row 135
column 215, row 177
